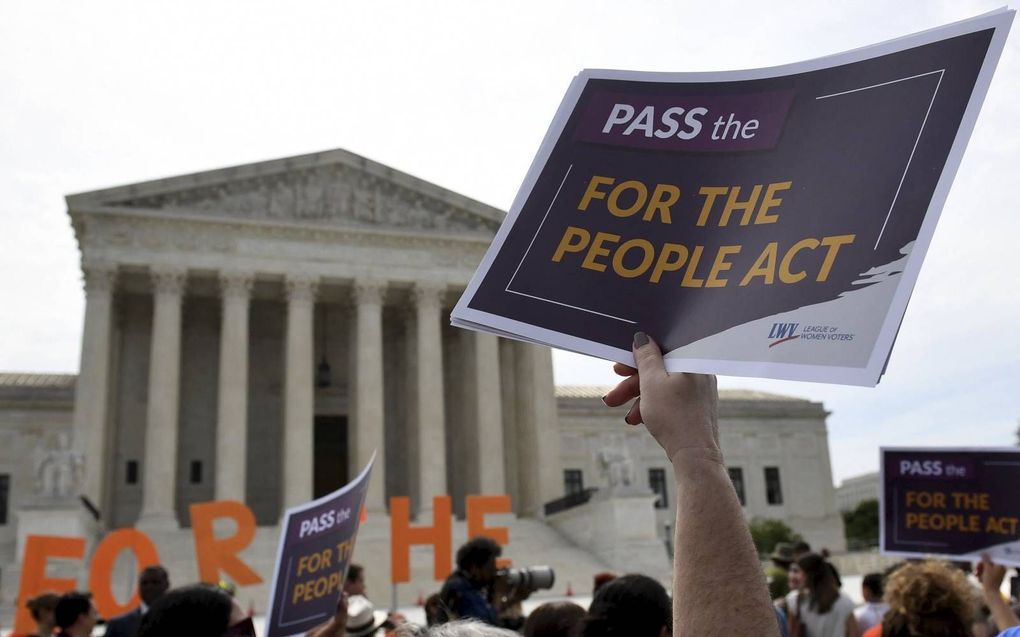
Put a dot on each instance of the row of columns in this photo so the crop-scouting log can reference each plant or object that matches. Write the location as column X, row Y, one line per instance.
column 367, row 410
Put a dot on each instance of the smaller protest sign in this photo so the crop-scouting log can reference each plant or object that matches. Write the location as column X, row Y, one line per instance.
column 956, row 502
column 316, row 544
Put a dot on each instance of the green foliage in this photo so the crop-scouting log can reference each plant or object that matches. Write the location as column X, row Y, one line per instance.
column 767, row 532
column 861, row 525
column 779, row 582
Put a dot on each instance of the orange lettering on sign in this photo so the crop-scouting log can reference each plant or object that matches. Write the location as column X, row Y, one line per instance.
column 403, row 535
column 38, row 550
column 220, row 554
column 101, row 571
column 477, row 507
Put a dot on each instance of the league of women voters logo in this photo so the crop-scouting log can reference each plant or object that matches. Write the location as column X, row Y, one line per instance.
column 786, row 332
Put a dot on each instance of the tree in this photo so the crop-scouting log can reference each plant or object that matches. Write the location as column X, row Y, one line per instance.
column 767, row 532
column 861, row 525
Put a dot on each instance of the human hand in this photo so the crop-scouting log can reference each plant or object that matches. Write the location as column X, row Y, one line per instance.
column 335, row 626
column 680, row 410
column 990, row 574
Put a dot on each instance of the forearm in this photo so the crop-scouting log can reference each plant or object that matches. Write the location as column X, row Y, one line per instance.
column 715, row 559
column 1002, row 614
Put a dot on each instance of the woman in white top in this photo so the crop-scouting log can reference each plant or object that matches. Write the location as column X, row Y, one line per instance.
column 820, row 609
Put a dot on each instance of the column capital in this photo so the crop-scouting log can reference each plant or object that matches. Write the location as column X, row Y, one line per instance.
column 99, row 277
column 169, row 279
column 236, row 284
column 428, row 293
column 301, row 288
column 368, row 292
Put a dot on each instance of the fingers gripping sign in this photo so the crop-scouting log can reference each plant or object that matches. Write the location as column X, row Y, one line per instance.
column 679, row 409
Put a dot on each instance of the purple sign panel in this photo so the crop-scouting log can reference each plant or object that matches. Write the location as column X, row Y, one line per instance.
column 956, row 502
column 316, row 544
column 749, row 121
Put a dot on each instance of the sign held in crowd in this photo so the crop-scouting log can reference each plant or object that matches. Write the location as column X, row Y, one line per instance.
column 769, row 222
column 951, row 501
column 316, row 544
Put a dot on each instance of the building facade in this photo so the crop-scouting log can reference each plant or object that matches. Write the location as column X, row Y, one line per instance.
column 256, row 333
column 852, row 491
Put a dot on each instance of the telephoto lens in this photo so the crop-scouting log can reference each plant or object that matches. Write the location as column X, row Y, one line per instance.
column 532, row 578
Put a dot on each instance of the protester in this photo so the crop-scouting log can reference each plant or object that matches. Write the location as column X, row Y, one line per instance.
column 153, row 582
column 601, row 579
column 196, row 611
column 42, row 608
column 926, row 598
column 554, row 619
column 633, row 605
column 461, row 628
column 471, row 590
column 718, row 586
column 819, row 609
column 991, row 575
column 871, row 612
column 75, row 615
column 354, row 584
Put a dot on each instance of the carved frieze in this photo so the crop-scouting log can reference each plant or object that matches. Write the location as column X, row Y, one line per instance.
column 332, row 193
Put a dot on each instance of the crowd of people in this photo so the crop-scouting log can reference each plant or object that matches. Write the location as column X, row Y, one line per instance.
column 718, row 584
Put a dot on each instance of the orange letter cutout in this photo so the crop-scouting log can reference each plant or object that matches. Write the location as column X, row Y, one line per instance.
column 477, row 507
column 220, row 554
column 101, row 569
column 403, row 535
column 38, row 549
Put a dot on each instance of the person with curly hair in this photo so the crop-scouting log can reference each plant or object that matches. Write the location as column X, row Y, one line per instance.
column 927, row 599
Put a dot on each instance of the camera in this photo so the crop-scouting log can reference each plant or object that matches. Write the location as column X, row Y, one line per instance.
column 532, row 578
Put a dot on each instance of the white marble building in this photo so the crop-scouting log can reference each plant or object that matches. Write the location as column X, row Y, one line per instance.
column 854, row 490
column 254, row 333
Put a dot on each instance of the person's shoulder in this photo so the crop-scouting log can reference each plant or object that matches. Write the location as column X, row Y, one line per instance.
column 874, row 631
column 1011, row 632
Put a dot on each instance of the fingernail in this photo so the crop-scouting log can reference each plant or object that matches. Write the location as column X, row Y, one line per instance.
column 640, row 339
column 604, row 401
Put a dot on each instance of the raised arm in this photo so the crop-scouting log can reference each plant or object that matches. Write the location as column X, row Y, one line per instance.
column 991, row 576
column 718, row 585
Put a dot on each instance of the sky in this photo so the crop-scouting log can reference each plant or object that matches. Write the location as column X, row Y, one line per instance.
column 99, row 94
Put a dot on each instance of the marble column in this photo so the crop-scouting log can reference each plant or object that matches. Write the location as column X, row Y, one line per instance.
column 538, row 448
column 487, row 414
column 91, row 395
column 368, row 417
column 159, row 469
column 299, row 392
column 430, row 416
column 232, row 406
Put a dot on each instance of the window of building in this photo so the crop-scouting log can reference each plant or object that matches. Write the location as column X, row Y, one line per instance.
column 573, row 481
column 657, row 483
column 131, row 472
column 196, row 472
column 773, row 488
column 737, row 478
column 5, row 492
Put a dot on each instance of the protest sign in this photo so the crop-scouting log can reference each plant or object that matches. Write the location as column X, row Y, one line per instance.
column 769, row 222
column 956, row 502
column 316, row 544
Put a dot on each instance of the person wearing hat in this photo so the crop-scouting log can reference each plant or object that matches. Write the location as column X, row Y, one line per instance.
column 355, row 616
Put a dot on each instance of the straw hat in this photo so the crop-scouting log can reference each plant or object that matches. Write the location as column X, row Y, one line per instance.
column 362, row 617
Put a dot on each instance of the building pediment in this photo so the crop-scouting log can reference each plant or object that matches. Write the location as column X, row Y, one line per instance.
column 334, row 187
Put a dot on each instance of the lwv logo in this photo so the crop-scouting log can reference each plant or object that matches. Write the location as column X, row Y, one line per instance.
column 783, row 332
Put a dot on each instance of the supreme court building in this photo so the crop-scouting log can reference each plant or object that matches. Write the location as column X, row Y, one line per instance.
column 255, row 333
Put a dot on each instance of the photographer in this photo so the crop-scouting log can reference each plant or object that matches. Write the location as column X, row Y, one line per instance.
column 474, row 590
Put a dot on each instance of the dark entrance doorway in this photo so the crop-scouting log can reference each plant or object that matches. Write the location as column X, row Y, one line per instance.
column 330, row 471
